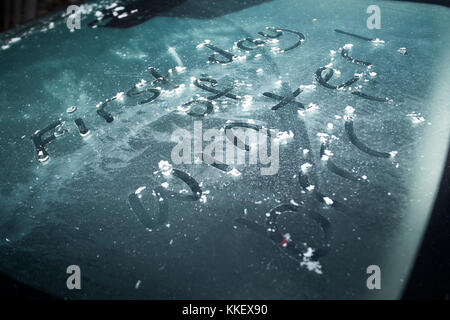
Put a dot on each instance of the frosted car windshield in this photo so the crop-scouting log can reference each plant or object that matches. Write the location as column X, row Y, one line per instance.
column 128, row 148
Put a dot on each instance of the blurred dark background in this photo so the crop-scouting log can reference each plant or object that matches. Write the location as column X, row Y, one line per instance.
column 17, row 12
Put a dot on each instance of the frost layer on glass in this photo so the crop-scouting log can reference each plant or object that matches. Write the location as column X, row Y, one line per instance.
column 362, row 125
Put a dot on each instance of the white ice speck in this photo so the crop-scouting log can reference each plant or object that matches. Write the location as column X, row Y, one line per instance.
column 112, row 5
column 348, row 46
column 140, row 189
column 247, row 102
column 141, row 83
column 312, row 107
column 71, row 109
column 180, row 69
column 349, row 109
column 304, row 167
column 165, row 185
column 234, row 172
column 328, row 201
column 311, row 265
column 203, row 43
column 203, row 199
column 283, row 136
column 309, row 252
column 275, row 49
column 416, row 117
column 14, row 40
column 119, row 96
column 165, row 167
column 378, row 41
column 308, row 88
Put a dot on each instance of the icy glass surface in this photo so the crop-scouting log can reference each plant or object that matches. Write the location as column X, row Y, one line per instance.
column 359, row 170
